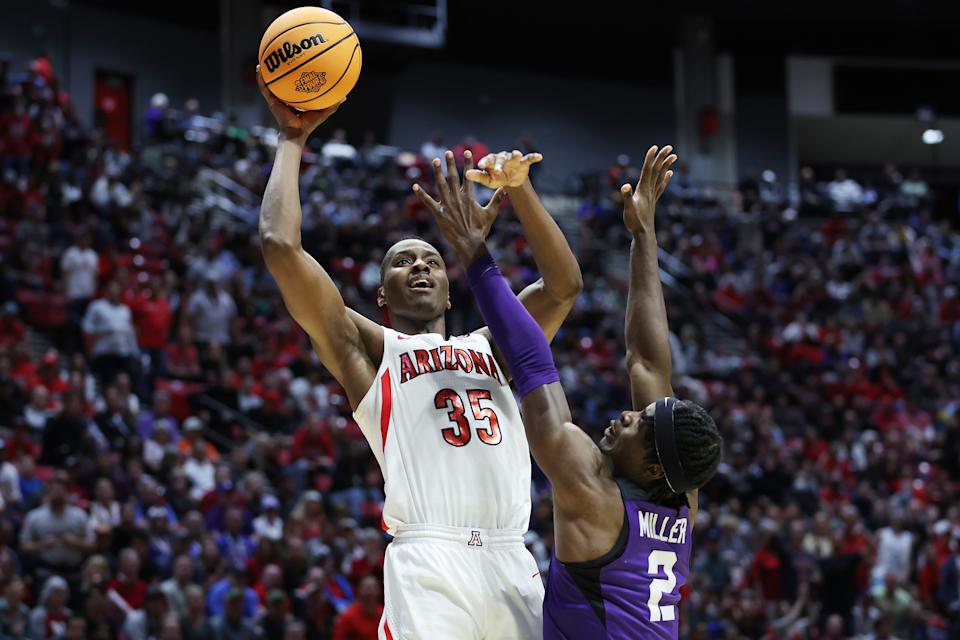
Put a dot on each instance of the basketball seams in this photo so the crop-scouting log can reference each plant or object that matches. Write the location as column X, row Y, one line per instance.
column 302, row 24
column 342, row 76
column 317, row 55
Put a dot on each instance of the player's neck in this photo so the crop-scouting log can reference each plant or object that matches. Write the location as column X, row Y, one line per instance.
column 413, row 327
column 607, row 467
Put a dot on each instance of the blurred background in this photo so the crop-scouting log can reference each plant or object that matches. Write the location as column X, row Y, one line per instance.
column 177, row 464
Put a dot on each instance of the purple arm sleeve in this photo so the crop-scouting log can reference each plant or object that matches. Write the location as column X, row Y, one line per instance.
column 517, row 334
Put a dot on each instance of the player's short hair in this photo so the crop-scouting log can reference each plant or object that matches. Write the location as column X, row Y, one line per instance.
column 699, row 446
column 386, row 256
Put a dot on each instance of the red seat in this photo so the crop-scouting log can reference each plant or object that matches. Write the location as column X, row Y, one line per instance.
column 43, row 309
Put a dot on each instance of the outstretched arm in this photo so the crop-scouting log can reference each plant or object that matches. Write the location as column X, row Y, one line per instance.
column 646, row 332
column 564, row 452
column 344, row 340
column 550, row 298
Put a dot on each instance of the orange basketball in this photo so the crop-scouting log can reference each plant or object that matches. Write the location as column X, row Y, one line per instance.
column 310, row 58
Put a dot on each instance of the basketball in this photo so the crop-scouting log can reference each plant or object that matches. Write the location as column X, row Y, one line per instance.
column 310, row 58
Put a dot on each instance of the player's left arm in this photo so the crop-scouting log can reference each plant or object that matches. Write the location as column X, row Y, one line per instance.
column 550, row 298
column 646, row 332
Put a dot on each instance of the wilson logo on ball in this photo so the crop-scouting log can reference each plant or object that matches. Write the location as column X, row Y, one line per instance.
column 290, row 50
column 311, row 81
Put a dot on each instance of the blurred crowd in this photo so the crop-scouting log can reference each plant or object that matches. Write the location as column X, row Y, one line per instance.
column 176, row 464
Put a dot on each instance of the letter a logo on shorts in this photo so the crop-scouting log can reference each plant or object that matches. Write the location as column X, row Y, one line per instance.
column 475, row 540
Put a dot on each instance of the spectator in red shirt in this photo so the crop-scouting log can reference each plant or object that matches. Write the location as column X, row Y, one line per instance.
column 22, row 368
column 360, row 620
column 312, row 453
column 49, row 376
column 312, row 441
column 20, row 444
column 928, row 575
column 270, row 579
column 127, row 588
column 477, row 148
column 767, row 569
column 153, row 318
column 370, row 562
column 181, row 359
column 42, row 67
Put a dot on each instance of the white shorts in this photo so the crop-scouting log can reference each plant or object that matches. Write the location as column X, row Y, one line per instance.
column 460, row 584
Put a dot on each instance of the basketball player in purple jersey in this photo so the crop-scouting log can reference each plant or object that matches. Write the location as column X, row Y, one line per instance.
column 623, row 510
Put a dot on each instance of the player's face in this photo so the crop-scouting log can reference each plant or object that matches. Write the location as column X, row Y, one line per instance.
column 415, row 281
column 625, row 435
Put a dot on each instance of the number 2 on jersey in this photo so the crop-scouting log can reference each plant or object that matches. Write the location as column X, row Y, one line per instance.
column 460, row 435
column 660, row 586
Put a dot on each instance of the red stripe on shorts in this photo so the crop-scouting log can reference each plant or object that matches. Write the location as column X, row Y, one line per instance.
column 386, row 630
column 386, row 407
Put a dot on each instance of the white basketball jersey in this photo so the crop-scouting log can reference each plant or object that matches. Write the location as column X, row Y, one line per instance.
column 445, row 427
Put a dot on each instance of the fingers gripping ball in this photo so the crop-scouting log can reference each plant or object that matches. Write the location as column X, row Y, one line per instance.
column 310, row 58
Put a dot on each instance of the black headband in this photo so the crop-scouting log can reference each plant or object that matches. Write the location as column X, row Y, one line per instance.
column 666, row 442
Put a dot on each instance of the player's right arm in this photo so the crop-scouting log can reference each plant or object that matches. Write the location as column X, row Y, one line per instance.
column 345, row 341
column 586, row 500
column 567, row 455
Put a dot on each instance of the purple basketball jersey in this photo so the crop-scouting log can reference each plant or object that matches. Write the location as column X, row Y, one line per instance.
column 631, row 592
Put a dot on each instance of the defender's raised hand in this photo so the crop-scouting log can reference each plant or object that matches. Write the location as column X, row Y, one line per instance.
column 293, row 124
column 639, row 205
column 504, row 169
column 463, row 223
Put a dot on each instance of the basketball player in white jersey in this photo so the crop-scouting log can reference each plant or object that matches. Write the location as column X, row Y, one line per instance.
column 436, row 410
